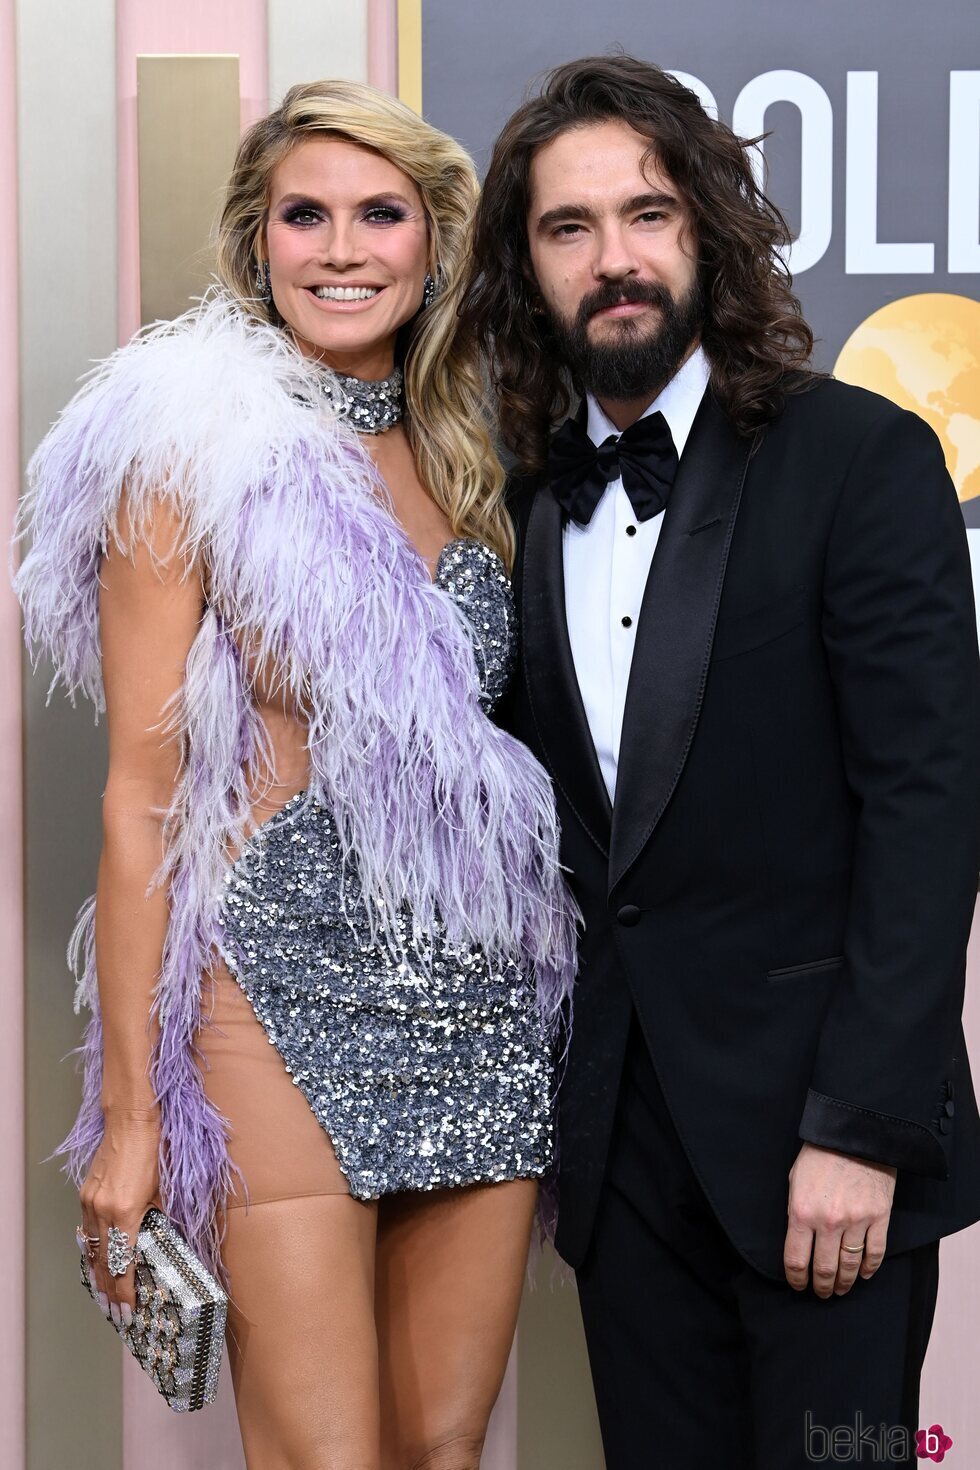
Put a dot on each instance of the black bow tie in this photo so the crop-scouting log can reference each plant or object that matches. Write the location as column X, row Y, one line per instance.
column 643, row 456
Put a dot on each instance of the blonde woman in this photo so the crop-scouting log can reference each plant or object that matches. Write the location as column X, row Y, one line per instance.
column 269, row 538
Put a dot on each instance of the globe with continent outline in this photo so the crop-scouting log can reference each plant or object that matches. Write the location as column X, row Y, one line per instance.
column 923, row 352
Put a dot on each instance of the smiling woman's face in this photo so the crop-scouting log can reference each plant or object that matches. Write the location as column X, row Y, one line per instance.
column 347, row 243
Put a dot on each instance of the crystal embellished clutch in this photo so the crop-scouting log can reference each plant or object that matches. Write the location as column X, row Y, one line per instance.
column 178, row 1326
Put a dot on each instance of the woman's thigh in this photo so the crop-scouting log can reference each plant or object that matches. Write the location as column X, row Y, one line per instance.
column 300, row 1260
column 274, row 1137
column 450, row 1268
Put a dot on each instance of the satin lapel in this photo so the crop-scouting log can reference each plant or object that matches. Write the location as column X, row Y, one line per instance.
column 552, row 688
column 675, row 631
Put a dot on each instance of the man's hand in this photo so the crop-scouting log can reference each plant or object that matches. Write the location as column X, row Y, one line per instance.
column 836, row 1200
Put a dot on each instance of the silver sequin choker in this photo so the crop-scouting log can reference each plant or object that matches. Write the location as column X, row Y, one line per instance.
column 370, row 408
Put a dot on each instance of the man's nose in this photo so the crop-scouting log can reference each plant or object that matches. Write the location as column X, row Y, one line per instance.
column 614, row 258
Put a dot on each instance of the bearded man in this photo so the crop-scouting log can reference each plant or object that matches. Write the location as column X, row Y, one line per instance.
column 750, row 663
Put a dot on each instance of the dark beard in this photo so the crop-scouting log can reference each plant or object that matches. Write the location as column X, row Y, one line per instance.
column 640, row 361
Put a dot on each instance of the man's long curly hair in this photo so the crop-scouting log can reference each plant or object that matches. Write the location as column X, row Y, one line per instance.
column 756, row 340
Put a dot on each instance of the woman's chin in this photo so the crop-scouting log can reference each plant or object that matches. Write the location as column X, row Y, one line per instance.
column 341, row 342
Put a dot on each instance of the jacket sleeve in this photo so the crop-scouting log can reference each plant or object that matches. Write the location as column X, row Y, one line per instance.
column 899, row 630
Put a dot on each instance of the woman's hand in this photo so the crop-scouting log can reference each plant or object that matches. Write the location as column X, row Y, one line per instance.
column 122, row 1183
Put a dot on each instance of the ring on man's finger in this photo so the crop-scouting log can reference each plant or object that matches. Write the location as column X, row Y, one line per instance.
column 853, row 1250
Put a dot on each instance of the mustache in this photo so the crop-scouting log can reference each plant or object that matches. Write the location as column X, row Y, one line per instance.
column 614, row 293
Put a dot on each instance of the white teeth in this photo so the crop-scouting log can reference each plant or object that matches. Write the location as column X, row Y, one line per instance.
column 345, row 293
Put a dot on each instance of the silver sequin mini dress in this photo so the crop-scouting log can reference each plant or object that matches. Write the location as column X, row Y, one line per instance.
column 427, row 1070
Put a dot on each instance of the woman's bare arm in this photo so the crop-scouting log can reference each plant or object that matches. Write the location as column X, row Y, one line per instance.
column 150, row 608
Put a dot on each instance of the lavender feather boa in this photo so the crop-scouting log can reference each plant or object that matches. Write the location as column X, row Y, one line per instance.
column 435, row 805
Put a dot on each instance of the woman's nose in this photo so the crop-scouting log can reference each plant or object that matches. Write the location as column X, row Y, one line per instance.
column 342, row 247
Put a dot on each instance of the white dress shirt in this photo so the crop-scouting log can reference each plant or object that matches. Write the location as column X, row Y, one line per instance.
column 606, row 566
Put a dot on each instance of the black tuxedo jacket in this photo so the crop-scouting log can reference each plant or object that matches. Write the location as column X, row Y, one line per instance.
column 785, row 885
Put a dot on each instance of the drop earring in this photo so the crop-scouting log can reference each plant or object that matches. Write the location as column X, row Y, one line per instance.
column 431, row 287
column 263, row 281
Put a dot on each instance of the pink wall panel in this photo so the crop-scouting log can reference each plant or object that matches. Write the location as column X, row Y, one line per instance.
column 12, row 1365
column 146, row 27
column 382, row 18
column 949, row 1383
column 156, row 1439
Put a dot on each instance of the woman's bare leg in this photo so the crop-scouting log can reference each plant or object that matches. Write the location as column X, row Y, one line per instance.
column 449, row 1273
column 300, row 1258
column 301, row 1337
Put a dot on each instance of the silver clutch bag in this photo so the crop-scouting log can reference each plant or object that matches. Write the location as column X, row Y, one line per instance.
column 178, row 1327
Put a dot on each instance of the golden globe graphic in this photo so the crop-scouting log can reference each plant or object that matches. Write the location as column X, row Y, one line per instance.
column 923, row 352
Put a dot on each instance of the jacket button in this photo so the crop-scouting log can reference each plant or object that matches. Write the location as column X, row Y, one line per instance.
column 949, row 1109
column 628, row 915
column 944, row 1125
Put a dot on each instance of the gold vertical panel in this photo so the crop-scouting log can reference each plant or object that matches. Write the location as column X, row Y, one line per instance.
column 410, row 53
column 189, row 125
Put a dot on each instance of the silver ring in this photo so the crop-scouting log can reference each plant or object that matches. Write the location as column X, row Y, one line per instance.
column 119, row 1254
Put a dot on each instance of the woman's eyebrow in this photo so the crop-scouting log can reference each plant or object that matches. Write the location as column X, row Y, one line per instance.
column 291, row 199
column 390, row 196
column 387, row 196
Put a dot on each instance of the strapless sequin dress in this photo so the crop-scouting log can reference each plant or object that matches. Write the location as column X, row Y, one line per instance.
column 426, row 1068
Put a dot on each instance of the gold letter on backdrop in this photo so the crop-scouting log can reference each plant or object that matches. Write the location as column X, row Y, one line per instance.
column 189, row 125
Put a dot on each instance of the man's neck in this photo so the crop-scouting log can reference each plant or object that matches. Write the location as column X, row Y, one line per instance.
column 621, row 412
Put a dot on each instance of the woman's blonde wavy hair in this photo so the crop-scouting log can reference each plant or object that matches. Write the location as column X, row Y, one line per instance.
column 444, row 395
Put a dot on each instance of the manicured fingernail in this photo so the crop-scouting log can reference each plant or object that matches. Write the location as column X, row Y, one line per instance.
column 103, row 1302
column 127, row 1314
column 116, row 1315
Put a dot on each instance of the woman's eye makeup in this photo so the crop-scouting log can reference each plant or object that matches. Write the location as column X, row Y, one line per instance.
column 308, row 213
column 384, row 214
column 301, row 214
